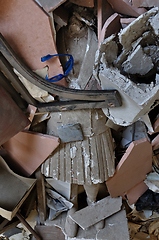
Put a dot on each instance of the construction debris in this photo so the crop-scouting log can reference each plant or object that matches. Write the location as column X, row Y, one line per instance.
column 79, row 90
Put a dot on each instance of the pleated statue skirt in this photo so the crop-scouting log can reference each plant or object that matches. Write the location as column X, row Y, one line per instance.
column 89, row 161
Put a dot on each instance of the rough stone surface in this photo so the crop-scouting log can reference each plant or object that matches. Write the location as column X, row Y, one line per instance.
column 135, row 101
column 138, row 62
column 116, row 228
column 136, row 29
column 96, row 212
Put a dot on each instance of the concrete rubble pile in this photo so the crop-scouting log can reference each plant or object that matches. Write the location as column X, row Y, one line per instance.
column 82, row 167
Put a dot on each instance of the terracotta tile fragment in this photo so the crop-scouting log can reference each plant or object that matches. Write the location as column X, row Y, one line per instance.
column 132, row 168
column 29, row 150
column 84, row 3
column 134, row 193
column 26, row 27
column 104, row 12
column 111, row 26
column 145, row 3
column 124, row 7
column 12, row 119
column 50, row 5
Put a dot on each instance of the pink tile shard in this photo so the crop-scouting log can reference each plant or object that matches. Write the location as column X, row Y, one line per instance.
column 27, row 28
column 134, row 193
column 124, row 7
column 12, row 119
column 132, row 168
column 29, row 150
column 111, row 26
column 104, row 12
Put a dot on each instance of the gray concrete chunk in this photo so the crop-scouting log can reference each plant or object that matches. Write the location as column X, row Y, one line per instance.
column 96, row 212
column 138, row 62
column 116, row 228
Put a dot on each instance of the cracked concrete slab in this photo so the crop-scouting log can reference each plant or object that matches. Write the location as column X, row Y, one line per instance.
column 96, row 212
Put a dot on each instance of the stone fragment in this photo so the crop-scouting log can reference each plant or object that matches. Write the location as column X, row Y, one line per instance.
column 96, row 212
column 116, row 228
column 136, row 29
column 132, row 168
column 154, row 24
column 138, row 62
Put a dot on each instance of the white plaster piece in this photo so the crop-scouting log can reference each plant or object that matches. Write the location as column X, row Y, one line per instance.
column 135, row 101
column 116, row 228
column 96, row 212
column 154, row 24
column 138, row 62
column 136, row 28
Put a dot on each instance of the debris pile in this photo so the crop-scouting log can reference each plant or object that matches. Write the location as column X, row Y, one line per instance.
column 79, row 133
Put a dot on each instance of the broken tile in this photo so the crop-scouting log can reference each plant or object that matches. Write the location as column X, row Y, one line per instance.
column 136, row 29
column 134, row 193
column 124, row 7
column 12, row 119
column 49, row 232
column 96, row 212
column 132, row 168
column 116, row 228
column 154, row 24
column 14, row 190
column 28, row 150
column 89, row 3
column 111, row 26
column 50, row 5
column 61, row 16
column 138, row 62
column 29, row 39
